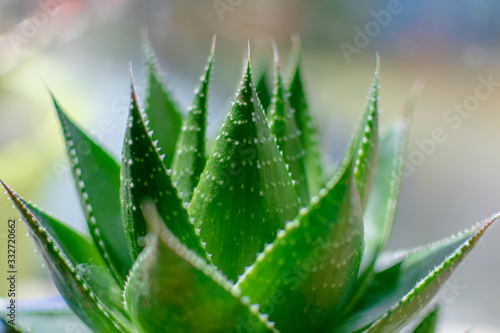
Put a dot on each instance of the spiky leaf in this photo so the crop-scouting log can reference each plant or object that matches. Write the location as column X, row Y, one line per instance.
column 161, row 110
column 382, row 202
column 404, row 284
column 367, row 144
column 76, row 268
column 172, row 289
column 97, row 181
column 308, row 272
column 309, row 133
column 429, row 323
column 245, row 193
column 189, row 159
column 143, row 175
column 287, row 135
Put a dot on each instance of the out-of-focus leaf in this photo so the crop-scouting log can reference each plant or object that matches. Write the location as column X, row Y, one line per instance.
column 309, row 133
column 144, row 176
column 77, row 270
column 172, row 289
column 284, row 129
column 245, row 193
column 189, row 159
column 429, row 323
column 97, row 181
column 405, row 283
column 263, row 91
column 161, row 110
column 304, row 277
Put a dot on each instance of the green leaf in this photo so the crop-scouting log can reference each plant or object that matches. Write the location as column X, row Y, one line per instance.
column 164, row 116
column 308, row 271
column 143, row 176
column 382, row 201
column 77, row 269
column 263, row 91
column 429, row 323
column 367, row 144
column 97, row 181
column 172, row 289
column 309, row 133
column 405, row 283
column 287, row 135
column 43, row 320
column 189, row 159
column 245, row 193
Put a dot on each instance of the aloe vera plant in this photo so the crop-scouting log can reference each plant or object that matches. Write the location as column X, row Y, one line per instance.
column 246, row 238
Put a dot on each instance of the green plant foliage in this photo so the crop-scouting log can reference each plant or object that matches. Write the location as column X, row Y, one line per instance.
column 429, row 323
column 250, row 238
column 161, row 110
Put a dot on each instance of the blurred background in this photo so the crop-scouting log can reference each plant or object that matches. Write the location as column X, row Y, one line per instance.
column 82, row 49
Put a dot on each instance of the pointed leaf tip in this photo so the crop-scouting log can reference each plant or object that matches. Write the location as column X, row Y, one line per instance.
column 144, row 176
column 161, row 109
column 189, row 157
column 245, row 193
column 406, row 282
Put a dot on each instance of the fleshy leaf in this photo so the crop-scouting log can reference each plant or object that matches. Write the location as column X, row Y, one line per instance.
column 42, row 320
column 245, row 193
column 77, row 270
column 97, row 181
column 162, row 112
column 143, row 175
column 189, row 159
column 428, row 324
column 367, row 143
column 382, row 201
column 309, row 133
column 308, row 271
column 405, row 283
column 263, row 91
column 172, row 289
column 287, row 135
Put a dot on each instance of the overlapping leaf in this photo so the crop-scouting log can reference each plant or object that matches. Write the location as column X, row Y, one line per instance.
column 245, row 193
column 308, row 271
column 161, row 110
column 97, row 182
column 382, row 202
column 189, row 159
column 263, row 91
column 428, row 324
column 404, row 284
column 77, row 269
column 143, row 175
column 284, row 129
column 309, row 133
column 171, row 289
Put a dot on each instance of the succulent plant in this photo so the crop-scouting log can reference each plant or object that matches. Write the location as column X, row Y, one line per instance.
column 248, row 238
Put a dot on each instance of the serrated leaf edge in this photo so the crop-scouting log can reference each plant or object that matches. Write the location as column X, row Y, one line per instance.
column 477, row 230
column 80, row 184
column 64, row 259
